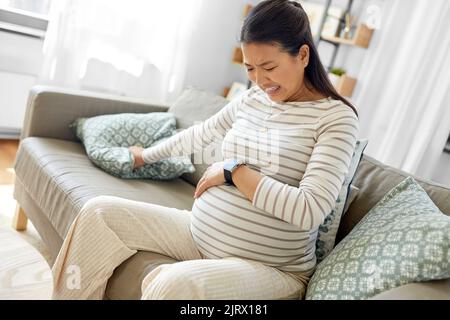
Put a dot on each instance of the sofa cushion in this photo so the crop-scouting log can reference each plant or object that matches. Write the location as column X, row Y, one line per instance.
column 353, row 193
column 430, row 290
column 127, row 278
column 193, row 106
column 375, row 179
column 404, row 238
column 61, row 179
column 328, row 229
column 106, row 139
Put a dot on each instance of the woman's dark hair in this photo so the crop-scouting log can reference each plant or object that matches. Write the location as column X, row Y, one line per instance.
column 285, row 23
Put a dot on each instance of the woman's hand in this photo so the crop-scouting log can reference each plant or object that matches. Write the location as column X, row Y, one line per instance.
column 137, row 155
column 213, row 176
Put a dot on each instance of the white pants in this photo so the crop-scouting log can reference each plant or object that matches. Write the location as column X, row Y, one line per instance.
column 109, row 230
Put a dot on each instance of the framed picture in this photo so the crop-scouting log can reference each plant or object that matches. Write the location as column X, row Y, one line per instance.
column 236, row 89
column 332, row 22
column 315, row 12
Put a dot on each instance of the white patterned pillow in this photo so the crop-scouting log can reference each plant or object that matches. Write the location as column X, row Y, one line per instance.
column 326, row 236
column 404, row 238
column 106, row 139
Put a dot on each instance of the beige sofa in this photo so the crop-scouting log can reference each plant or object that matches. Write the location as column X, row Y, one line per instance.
column 54, row 178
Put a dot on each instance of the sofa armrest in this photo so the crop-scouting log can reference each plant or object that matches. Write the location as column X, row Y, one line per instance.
column 50, row 110
column 430, row 290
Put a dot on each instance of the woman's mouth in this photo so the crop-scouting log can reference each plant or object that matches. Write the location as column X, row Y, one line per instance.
column 273, row 90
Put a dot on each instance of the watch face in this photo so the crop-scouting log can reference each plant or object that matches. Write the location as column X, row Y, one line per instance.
column 229, row 165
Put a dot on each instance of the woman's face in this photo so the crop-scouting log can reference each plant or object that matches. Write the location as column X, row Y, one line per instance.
column 276, row 72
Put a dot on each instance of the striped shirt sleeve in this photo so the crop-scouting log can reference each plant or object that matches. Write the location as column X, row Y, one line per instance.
column 196, row 137
column 307, row 205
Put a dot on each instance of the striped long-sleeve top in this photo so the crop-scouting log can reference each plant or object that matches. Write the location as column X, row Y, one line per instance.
column 303, row 149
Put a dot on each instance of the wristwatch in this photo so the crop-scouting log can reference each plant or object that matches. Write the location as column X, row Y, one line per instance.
column 228, row 168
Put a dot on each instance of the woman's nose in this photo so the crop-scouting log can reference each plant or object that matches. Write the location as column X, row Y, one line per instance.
column 260, row 78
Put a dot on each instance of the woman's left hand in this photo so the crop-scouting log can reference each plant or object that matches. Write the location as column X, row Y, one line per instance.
column 213, row 176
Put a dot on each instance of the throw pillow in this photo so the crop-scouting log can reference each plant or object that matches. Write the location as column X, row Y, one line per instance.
column 326, row 236
column 106, row 139
column 404, row 238
column 191, row 107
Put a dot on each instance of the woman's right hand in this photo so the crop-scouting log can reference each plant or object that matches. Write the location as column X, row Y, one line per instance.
column 137, row 155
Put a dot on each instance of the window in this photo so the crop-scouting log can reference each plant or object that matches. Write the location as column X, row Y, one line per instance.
column 40, row 7
column 25, row 17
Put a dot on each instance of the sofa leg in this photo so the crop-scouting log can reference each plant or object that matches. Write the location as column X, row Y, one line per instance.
column 20, row 219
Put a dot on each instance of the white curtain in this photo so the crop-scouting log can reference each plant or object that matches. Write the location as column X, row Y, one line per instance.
column 133, row 48
column 404, row 96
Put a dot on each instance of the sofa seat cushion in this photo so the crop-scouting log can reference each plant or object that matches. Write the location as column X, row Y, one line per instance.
column 60, row 178
column 125, row 283
column 431, row 290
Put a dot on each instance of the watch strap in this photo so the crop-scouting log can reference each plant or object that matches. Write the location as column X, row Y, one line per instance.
column 229, row 168
column 228, row 179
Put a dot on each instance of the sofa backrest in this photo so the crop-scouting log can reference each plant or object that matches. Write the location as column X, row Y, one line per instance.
column 375, row 179
column 51, row 110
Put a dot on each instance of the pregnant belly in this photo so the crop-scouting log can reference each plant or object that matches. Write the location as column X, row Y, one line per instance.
column 225, row 224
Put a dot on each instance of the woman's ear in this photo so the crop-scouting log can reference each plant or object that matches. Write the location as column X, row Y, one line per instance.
column 303, row 54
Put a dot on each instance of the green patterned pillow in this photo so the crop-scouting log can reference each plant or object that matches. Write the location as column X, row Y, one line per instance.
column 326, row 235
column 106, row 139
column 404, row 238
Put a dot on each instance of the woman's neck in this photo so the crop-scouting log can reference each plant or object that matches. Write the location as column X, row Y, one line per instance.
column 306, row 93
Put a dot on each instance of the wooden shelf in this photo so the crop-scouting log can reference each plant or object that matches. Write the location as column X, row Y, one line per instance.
column 346, row 85
column 247, row 9
column 361, row 38
column 356, row 37
column 238, row 57
column 225, row 91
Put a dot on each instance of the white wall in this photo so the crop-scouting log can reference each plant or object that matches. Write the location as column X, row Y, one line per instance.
column 20, row 63
column 216, row 34
column 14, row 90
column 442, row 170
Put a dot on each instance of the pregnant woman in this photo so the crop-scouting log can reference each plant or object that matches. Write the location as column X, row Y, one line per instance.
column 287, row 144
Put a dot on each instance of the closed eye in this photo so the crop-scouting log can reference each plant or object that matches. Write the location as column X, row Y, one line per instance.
column 264, row 69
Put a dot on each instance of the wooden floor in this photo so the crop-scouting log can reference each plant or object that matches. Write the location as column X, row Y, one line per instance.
column 8, row 149
column 24, row 270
